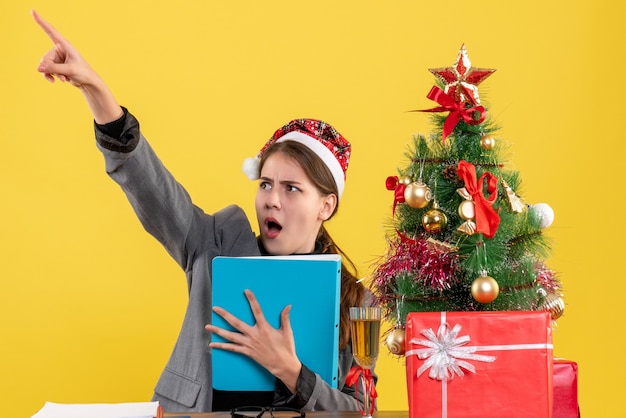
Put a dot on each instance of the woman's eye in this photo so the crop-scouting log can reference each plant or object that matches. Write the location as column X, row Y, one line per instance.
column 265, row 185
column 292, row 188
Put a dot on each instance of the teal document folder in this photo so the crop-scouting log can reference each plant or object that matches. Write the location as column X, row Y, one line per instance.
column 311, row 284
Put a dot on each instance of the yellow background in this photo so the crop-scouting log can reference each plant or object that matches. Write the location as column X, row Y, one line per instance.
column 91, row 305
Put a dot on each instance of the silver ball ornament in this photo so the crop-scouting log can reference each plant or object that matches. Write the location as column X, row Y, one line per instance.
column 544, row 212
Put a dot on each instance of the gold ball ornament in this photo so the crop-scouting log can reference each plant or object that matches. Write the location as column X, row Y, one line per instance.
column 487, row 142
column 555, row 305
column 406, row 180
column 417, row 195
column 434, row 221
column 485, row 289
column 395, row 341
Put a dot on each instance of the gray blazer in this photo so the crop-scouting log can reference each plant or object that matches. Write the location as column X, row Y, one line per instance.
column 193, row 238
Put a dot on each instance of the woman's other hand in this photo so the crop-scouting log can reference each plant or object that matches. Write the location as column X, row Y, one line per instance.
column 272, row 348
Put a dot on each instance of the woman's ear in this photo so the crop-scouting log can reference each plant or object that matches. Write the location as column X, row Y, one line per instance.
column 328, row 207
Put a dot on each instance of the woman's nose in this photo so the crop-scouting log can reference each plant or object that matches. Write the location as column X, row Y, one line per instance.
column 273, row 199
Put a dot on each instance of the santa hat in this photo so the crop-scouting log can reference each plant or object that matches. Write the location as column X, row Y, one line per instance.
column 319, row 137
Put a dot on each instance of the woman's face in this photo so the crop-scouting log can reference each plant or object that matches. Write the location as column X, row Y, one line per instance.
column 289, row 208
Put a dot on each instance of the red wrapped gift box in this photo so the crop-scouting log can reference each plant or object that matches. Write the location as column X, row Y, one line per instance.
column 565, row 389
column 479, row 364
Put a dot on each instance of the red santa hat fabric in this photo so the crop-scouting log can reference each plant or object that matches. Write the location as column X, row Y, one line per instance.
column 320, row 137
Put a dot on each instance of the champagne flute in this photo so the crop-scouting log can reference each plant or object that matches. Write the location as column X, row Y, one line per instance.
column 365, row 348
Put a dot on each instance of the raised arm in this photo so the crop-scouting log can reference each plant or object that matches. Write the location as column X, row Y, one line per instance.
column 65, row 63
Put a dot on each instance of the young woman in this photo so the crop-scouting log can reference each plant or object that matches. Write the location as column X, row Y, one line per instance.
column 301, row 172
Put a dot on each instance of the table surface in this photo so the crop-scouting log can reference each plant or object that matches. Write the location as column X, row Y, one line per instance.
column 315, row 414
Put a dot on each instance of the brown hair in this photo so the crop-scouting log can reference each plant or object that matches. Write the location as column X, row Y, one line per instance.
column 352, row 292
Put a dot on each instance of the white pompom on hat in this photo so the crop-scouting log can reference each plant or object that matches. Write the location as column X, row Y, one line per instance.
column 319, row 137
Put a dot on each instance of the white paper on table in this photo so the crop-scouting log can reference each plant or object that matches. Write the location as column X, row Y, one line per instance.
column 104, row 410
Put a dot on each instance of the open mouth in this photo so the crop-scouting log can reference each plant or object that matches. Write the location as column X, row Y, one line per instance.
column 272, row 228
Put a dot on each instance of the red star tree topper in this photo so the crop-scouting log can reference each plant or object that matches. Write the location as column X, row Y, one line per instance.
column 461, row 79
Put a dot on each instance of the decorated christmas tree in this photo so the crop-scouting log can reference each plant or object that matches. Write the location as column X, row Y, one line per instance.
column 461, row 237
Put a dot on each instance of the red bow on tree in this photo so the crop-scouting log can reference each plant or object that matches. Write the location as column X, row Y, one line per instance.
column 352, row 380
column 487, row 219
column 393, row 183
column 457, row 111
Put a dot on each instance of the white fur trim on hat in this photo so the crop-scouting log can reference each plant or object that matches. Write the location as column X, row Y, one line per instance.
column 251, row 168
column 321, row 151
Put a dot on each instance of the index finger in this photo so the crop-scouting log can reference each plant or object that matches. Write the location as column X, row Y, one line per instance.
column 52, row 33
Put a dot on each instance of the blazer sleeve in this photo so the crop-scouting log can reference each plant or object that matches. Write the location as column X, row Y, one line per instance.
column 314, row 394
column 162, row 205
